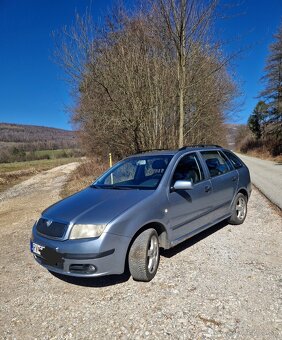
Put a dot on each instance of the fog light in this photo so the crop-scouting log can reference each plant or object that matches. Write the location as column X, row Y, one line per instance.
column 83, row 268
column 91, row 268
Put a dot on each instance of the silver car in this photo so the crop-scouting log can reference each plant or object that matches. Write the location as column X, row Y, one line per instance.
column 143, row 203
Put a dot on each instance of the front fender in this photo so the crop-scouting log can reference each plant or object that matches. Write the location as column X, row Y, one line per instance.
column 151, row 210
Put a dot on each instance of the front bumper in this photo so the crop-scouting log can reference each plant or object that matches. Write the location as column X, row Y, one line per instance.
column 105, row 255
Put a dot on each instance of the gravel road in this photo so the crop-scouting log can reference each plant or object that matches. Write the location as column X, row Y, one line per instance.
column 267, row 177
column 222, row 284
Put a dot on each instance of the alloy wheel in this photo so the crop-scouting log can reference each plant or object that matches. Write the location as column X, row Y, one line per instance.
column 241, row 208
column 153, row 254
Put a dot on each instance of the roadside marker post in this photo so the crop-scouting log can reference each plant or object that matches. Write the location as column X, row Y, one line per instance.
column 111, row 164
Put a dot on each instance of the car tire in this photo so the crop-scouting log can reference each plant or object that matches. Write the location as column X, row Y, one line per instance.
column 144, row 256
column 239, row 210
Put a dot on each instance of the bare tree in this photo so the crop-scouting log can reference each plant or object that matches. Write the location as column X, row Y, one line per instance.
column 186, row 22
column 147, row 80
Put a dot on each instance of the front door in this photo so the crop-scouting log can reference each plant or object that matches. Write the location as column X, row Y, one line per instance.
column 189, row 209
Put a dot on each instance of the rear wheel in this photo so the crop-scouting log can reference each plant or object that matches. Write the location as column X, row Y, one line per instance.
column 239, row 210
column 144, row 256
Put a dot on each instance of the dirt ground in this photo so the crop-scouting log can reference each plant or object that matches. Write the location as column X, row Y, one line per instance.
column 222, row 284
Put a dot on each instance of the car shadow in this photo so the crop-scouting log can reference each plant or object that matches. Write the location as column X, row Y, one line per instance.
column 111, row 280
column 193, row 240
column 97, row 282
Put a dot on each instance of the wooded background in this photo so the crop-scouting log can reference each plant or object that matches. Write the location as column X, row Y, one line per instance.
column 149, row 79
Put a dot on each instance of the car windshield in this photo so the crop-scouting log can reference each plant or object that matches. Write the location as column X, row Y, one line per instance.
column 135, row 173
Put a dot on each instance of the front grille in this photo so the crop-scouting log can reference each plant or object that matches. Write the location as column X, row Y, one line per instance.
column 55, row 229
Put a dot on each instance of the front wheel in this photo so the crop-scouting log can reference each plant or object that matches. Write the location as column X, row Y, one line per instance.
column 239, row 210
column 144, row 256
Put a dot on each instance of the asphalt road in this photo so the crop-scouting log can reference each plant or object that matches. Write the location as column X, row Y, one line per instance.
column 267, row 177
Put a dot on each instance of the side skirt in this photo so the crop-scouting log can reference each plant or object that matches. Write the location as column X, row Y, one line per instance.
column 197, row 231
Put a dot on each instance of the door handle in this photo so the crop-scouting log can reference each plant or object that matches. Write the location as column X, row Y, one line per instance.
column 234, row 178
column 207, row 188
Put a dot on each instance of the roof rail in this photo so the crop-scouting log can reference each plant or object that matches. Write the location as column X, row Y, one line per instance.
column 200, row 146
column 150, row 150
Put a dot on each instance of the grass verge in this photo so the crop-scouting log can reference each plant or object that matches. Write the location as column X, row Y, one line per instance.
column 265, row 155
column 262, row 154
column 83, row 176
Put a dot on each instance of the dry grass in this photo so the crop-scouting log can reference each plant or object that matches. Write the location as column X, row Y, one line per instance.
column 264, row 154
column 83, row 176
column 261, row 153
column 269, row 149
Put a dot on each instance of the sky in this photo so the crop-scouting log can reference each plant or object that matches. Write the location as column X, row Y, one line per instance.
column 32, row 86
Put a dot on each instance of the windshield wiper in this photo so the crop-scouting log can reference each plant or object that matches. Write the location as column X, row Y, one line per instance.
column 95, row 186
column 121, row 187
column 114, row 187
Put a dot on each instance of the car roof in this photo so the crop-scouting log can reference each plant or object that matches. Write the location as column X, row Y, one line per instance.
column 184, row 149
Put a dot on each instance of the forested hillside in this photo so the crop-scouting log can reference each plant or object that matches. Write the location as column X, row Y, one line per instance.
column 22, row 142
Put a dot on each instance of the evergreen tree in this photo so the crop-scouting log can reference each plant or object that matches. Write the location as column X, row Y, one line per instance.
column 256, row 119
column 272, row 93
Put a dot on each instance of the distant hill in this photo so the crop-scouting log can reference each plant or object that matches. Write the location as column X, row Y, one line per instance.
column 18, row 139
column 29, row 134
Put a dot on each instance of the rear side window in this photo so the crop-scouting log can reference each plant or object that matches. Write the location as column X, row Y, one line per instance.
column 236, row 162
column 216, row 164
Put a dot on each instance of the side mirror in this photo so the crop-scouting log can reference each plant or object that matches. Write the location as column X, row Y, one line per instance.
column 183, row 185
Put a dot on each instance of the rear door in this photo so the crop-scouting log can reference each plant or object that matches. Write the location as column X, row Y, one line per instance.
column 224, row 180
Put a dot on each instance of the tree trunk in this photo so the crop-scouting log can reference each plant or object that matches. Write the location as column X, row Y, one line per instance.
column 181, row 70
column 181, row 114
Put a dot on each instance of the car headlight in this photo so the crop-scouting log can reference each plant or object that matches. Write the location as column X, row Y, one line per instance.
column 86, row 230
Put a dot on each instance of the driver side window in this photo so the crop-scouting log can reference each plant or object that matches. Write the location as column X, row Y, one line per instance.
column 188, row 169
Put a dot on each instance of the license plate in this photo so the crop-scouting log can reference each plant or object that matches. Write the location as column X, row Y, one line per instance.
column 36, row 248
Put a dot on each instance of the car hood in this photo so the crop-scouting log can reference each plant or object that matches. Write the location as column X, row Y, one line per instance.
column 95, row 206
